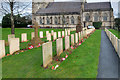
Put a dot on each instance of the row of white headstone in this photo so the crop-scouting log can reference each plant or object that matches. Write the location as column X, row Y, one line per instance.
column 40, row 34
column 48, row 35
column 47, row 47
column 71, row 29
column 14, row 43
column 114, row 40
column 54, row 34
column 13, row 46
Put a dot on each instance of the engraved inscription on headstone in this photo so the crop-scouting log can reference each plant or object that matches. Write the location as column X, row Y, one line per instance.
column 59, row 46
column 72, row 39
column 2, row 48
column 47, row 53
column 14, row 45
column 67, row 43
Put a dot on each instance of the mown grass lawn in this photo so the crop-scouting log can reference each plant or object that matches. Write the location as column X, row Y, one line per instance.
column 82, row 63
column 115, row 32
column 19, row 31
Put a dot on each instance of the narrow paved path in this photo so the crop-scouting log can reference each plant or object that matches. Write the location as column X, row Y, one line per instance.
column 108, row 59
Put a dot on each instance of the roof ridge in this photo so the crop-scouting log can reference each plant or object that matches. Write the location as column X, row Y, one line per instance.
column 96, row 2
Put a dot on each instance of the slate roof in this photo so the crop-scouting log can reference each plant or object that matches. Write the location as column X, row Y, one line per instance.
column 71, row 7
column 97, row 6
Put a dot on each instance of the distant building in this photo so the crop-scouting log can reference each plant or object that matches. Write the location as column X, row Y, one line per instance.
column 57, row 14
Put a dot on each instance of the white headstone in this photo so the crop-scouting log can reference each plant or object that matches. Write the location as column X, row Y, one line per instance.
column 47, row 32
column 67, row 43
column 11, row 36
column 24, row 37
column 54, row 36
column 52, row 32
column 14, row 45
column 72, row 39
column 32, row 35
column 41, row 34
column 47, row 53
column 2, row 48
column 63, row 34
column 59, row 46
column 79, row 36
column 68, row 32
column 76, row 37
column 49, row 36
column 59, row 34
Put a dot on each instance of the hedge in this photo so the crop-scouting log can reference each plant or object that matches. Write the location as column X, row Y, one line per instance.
column 97, row 25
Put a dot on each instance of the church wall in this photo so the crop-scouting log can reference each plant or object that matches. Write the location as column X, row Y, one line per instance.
column 93, row 13
column 44, row 3
column 58, row 25
column 100, row 18
column 106, row 23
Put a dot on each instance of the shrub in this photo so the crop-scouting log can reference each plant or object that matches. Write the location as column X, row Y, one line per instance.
column 18, row 21
column 97, row 25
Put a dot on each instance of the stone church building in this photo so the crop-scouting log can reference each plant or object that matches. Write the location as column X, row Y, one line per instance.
column 65, row 14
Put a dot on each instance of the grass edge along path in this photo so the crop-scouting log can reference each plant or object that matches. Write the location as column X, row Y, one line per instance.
column 115, row 32
column 82, row 63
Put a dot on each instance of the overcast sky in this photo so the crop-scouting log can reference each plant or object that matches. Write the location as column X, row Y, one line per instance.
column 113, row 2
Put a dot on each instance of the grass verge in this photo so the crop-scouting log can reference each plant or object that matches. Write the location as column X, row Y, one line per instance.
column 115, row 32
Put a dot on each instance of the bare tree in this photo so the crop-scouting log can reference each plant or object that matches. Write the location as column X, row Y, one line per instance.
column 12, row 19
column 13, row 7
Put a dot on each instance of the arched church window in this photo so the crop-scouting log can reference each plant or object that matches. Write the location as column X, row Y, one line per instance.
column 67, row 20
column 105, row 17
column 72, row 20
column 40, row 20
column 43, row 20
column 87, row 17
column 96, row 17
column 56, row 20
column 63, row 20
column 48, row 20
